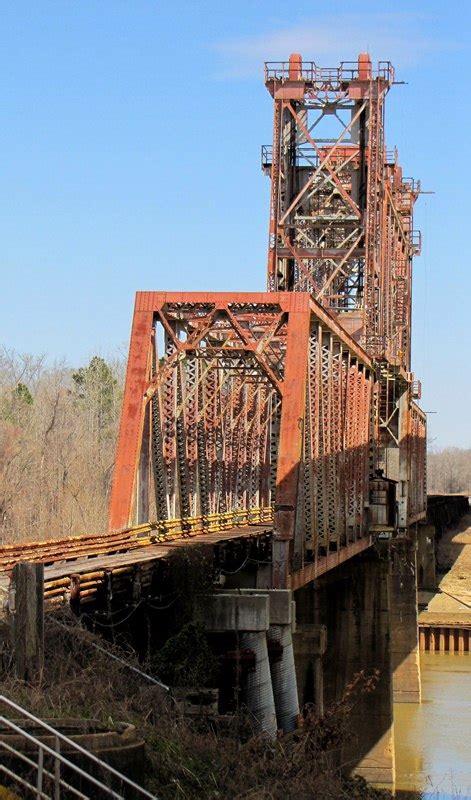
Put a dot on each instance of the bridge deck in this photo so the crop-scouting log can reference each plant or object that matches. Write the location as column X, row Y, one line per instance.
column 86, row 561
column 90, row 567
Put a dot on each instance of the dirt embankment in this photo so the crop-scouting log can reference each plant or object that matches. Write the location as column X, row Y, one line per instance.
column 453, row 600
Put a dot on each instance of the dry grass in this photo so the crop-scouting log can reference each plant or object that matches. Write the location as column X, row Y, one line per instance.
column 187, row 759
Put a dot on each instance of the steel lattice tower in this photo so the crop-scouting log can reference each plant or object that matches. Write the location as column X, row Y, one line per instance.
column 341, row 224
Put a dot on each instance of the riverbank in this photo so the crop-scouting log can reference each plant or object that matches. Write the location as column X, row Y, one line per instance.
column 448, row 610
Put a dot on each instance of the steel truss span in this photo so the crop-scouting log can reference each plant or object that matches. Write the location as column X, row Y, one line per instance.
column 294, row 405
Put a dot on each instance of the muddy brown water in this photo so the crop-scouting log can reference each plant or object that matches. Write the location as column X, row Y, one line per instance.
column 433, row 739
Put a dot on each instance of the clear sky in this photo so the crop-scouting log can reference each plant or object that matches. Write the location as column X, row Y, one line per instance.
column 130, row 149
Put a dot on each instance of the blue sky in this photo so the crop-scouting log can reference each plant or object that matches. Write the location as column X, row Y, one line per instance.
column 130, row 144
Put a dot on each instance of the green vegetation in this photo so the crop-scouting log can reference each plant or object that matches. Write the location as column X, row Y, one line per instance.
column 186, row 659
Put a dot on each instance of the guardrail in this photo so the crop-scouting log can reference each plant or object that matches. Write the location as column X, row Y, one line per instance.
column 49, row 782
column 333, row 76
column 130, row 538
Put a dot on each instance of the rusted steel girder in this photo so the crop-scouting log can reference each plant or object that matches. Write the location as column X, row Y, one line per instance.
column 341, row 228
column 244, row 401
column 289, row 401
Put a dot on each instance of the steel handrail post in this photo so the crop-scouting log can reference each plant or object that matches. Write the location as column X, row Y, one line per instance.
column 57, row 770
column 66, row 761
column 76, row 747
column 33, row 764
column 39, row 776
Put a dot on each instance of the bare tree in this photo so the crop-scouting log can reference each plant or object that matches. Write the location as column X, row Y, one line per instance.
column 58, row 432
column 449, row 471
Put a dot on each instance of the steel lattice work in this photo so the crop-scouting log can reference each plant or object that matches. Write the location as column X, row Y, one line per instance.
column 293, row 406
column 245, row 403
column 341, row 222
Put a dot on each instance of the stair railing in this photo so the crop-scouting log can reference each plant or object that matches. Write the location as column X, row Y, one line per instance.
column 45, row 777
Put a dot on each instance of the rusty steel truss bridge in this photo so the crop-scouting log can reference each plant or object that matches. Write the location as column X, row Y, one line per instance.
column 286, row 415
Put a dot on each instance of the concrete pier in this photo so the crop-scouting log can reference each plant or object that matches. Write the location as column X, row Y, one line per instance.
column 310, row 644
column 404, row 624
column 281, row 612
column 355, row 606
column 263, row 621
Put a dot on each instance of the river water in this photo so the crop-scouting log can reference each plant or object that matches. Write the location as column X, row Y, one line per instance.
column 433, row 739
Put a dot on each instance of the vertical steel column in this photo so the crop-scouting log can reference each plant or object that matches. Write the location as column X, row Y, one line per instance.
column 132, row 416
column 291, row 437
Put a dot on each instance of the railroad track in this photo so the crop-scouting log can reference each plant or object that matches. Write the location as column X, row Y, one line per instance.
column 76, row 567
column 92, row 545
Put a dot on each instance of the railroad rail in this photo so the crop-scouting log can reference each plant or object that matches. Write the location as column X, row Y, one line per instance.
column 77, row 567
column 137, row 536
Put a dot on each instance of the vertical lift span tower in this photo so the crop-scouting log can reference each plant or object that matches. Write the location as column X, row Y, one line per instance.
column 341, row 228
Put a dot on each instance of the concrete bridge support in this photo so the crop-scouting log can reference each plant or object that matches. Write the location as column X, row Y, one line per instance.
column 352, row 602
column 249, row 617
column 262, row 620
column 426, row 562
column 310, row 642
column 404, row 624
column 356, row 626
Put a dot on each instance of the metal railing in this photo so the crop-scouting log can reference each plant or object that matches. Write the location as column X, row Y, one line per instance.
column 267, row 157
column 416, row 242
column 49, row 781
column 322, row 76
column 411, row 185
column 134, row 537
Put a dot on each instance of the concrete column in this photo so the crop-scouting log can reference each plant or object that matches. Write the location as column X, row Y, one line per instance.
column 405, row 660
column 355, row 607
column 283, row 675
column 310, row 643
column 281, row 656
column 248, row 615
column 257, row 693
column 422, row 640
column 263, row 577
column 426, row 567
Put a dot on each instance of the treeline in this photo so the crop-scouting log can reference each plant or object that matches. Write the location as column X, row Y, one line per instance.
column 58, row 431
column 449, row 471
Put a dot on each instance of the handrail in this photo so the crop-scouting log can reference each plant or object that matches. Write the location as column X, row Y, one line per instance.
column 142, row 535
column 59, row 758
column 124, row 663
column 31, row 763
column 335, row 76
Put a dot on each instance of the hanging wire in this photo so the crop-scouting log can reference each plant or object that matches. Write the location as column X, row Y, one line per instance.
column 234, row 572
column 162, row 608
column 122, row 661
column 114, row 624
